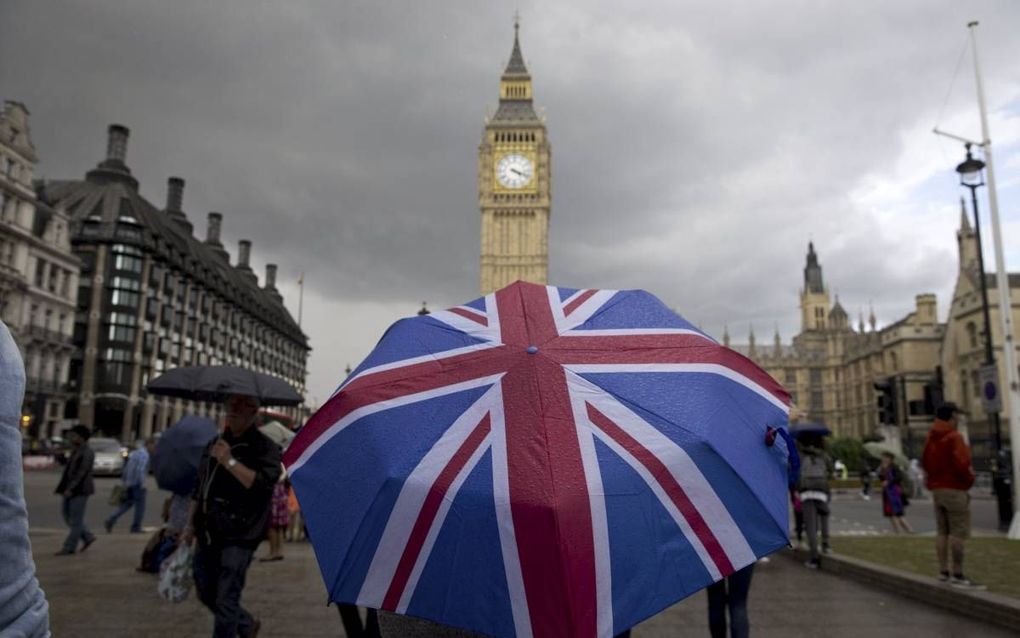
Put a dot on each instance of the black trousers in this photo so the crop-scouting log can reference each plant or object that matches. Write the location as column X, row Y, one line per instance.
column 219, row 572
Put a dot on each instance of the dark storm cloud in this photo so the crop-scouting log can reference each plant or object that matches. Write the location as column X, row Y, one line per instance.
column 696, row 146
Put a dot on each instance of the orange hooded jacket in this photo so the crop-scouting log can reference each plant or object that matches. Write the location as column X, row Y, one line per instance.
column 946, row 459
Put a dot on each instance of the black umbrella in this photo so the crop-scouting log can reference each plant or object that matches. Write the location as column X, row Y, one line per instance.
column 216, row 383
column 179, row 451
column 818, row 429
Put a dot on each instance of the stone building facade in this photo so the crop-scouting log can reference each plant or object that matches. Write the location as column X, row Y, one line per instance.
column 38, row 278
column 152, row 296
column 963, row 350
column 514, row 184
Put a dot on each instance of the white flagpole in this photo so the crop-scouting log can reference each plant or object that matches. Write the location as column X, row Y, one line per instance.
column 1009, row 358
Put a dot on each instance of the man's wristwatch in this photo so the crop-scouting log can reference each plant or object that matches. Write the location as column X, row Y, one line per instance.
column 231, row 462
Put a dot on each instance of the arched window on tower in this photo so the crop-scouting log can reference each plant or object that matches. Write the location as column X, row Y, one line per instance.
column 972, row 334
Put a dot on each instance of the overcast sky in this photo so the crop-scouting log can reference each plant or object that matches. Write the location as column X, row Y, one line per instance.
column 697, row 146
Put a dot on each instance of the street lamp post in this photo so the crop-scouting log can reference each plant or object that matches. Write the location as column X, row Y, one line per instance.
column 971, row 176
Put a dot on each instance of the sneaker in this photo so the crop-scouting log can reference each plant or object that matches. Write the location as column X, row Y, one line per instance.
column 825, row 548
column 962, row 582
column 943, row 577
column 108, row 526
column 814, row 563
column 87, row 543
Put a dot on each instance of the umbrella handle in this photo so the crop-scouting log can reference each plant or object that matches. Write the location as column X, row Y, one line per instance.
column 791, row 448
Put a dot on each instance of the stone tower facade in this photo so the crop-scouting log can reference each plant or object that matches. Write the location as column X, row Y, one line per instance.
column 814, row 298
column 514, row 184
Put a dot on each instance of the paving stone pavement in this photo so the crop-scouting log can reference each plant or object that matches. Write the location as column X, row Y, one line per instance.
column 98, row 593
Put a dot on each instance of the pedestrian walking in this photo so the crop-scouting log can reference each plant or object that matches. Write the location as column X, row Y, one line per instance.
column 295, row 526
column 133, row 478
column 798, row 515
column 279, row 520
column 75, row 487
column 230, row 514
column 813, row 488
column 894, row 498
column 23, row 607
column 865, row 477
column 730, row 594
column 946, row 461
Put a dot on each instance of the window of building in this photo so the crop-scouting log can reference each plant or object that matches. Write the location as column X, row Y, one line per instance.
column 127, row 263
column 116, row 373
column 817, row 401
column 972, row 336
column 125, row 283
column 123, row 318
column 124, row 298
column 816, row 376
column 40, row 272
column 120, row 333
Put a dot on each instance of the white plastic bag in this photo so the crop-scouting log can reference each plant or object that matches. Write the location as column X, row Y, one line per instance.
column 175, row 578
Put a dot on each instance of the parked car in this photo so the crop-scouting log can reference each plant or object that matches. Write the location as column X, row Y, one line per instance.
column 110, row 456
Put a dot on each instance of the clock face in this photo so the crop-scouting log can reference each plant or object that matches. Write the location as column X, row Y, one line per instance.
column 514, row 171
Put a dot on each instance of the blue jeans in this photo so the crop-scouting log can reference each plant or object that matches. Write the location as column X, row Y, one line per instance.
column 135, row 498
column 730, row 592
column 219, row 572
column 73, row 510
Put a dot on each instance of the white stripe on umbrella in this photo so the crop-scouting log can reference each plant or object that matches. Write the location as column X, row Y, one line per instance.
column 409, row 503
column 681, row 467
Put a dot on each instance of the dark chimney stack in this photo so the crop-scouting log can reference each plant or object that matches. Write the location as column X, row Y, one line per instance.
column 270, row 276
column 243, row 254
column 212, row 235
column 174, row 193
column 116, row 143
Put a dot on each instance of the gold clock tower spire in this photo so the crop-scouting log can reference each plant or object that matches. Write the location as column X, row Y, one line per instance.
column 514, row 183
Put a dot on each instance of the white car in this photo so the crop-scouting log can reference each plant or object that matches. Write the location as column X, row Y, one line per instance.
column 110, row 456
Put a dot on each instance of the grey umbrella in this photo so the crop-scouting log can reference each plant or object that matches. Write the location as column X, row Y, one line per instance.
column 216, row 383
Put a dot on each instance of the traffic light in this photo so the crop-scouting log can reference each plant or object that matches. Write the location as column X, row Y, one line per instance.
column 886, row 401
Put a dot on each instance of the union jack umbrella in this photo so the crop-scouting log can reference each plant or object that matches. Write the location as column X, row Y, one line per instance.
column 543, row 461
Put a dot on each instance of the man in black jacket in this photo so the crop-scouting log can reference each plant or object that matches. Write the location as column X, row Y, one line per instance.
column 76, row 487
column 230, row 514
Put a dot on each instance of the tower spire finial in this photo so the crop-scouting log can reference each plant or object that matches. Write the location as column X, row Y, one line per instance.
column 516, row 64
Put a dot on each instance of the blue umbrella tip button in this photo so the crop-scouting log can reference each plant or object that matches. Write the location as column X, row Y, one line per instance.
column 532, row 349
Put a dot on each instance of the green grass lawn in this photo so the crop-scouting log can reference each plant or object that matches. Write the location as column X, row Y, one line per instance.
column 994, row 562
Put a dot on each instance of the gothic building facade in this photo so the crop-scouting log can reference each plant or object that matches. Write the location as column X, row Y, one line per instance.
column 514, row 184
column 831, row 367
column 152, row 296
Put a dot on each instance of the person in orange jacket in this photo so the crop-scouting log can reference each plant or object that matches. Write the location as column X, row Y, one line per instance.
column 946, row 461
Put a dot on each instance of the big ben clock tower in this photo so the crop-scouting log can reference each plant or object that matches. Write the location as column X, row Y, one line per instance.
column 514, row 184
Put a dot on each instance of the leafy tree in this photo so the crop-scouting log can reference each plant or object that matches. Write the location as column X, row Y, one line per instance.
column 850, row 451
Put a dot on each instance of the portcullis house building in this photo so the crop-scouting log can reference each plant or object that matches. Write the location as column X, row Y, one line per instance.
column 152, row 297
